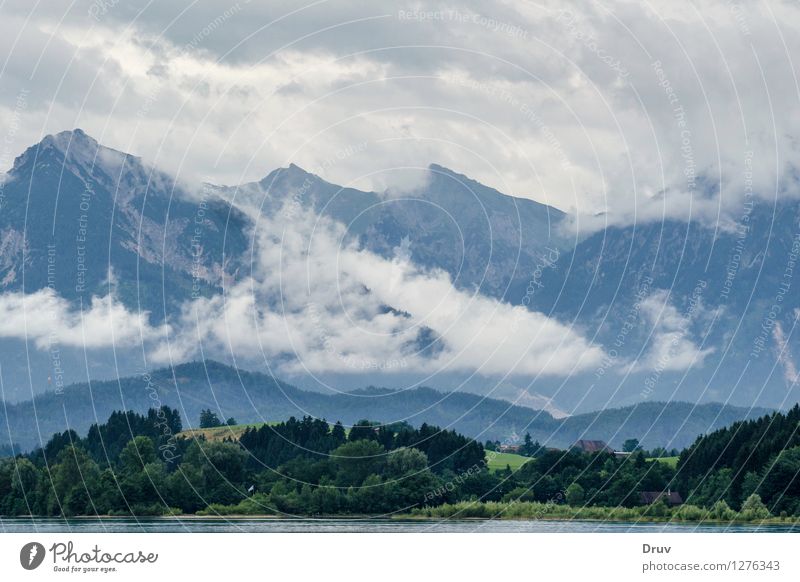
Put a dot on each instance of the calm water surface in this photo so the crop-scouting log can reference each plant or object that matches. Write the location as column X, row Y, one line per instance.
column 271, row 525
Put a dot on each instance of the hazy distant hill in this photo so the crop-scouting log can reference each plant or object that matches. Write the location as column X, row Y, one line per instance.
column 253, row 397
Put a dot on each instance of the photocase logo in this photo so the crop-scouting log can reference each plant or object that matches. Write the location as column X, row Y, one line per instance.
column 31, row 555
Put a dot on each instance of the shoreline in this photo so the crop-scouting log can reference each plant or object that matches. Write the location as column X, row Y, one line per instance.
column 403, row 518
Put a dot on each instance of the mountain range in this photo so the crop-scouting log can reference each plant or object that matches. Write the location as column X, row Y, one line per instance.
column 708, row 310
column 254, row 397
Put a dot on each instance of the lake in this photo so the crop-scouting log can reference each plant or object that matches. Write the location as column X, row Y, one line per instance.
column 273, row 525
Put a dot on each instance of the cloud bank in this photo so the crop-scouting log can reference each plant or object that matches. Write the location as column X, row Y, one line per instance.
column 315, row 303
column 48, row 320
column 615, row 111
column 671, row 347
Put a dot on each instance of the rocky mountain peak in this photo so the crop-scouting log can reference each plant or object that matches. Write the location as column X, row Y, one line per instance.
column 76, row 150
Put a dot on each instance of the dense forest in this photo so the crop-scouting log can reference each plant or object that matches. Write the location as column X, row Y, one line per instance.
column 140, row 464
column 760, row 456
column 136, row 464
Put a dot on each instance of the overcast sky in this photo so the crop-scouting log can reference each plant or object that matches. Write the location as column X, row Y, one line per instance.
column 614, row 111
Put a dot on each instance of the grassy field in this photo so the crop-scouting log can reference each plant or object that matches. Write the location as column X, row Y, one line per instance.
column 671, row 461
column 220, row 433
column 498, row 461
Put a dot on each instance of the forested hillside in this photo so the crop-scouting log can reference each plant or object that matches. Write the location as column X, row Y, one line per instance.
column 757, row 456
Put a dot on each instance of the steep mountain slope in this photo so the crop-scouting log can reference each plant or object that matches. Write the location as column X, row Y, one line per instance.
column 76, row 213
column 486, row 240
column 731, row 292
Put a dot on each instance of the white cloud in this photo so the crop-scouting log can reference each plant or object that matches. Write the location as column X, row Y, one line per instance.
column 313, row 303
column 671, row 346
column 784, row 353
column 48, row 320
column 619, row 111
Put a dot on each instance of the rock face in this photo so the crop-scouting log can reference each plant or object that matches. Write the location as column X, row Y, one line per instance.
column 79, row 217
column 486, row 240
column 77, row 212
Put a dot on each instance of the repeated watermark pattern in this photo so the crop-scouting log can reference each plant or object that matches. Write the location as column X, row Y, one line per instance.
column 629, row 323
column 776, row 308
column 456, row 16
column 169, row 447
column 680, row 117
column 589, row 41
column 582, row 109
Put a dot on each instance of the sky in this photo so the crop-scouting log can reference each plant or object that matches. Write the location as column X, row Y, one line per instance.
column 615, row 112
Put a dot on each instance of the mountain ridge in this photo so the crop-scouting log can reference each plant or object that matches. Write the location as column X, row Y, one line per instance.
column 256, row 397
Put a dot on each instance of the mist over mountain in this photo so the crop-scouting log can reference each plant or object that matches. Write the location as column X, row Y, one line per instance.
column 685, row 311
column 703, row 310
column 484, row 239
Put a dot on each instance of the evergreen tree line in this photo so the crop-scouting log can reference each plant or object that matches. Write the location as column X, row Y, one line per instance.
column 136, row 464
column 759, row 456
column 273, row 445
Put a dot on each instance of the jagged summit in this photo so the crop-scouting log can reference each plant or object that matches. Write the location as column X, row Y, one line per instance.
column 290, row 175
column 64, row 139
column 65, row 193
column 74, row 148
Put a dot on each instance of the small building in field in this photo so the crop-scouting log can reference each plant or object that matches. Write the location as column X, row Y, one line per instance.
column 671, row 497
column 592, row 446
column 508, row 448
